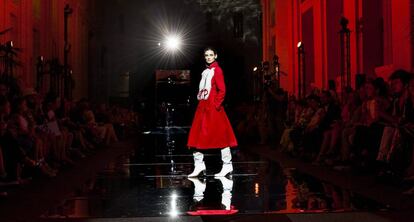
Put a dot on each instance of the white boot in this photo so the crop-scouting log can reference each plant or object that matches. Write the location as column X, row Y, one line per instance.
column 199, row 188
column 199, row 165
column 226, row 183
column 226, row 200
column 227, row 189
column 227, row 164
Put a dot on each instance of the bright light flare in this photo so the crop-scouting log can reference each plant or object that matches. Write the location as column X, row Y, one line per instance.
column 299, row 44
column 173, row 43
column 172, row 38
column 174, row 211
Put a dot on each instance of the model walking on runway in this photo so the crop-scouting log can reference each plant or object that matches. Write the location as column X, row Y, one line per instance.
column 211, row 128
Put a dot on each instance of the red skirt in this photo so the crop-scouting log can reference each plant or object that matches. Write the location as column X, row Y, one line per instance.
column 211, row 129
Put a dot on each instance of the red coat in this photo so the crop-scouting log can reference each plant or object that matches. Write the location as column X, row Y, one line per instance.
column 211, row 128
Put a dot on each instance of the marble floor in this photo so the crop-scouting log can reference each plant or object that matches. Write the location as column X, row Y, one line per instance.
column 151, row 182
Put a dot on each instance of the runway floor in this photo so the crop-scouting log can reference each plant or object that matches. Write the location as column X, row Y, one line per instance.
column 151, row 182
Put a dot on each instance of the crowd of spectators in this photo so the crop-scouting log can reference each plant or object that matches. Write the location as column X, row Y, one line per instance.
column 369, row 129
column 41, row 135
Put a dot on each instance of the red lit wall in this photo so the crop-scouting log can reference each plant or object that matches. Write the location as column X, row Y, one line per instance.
column 38, row 30
column 381, row 39
column 402, row 34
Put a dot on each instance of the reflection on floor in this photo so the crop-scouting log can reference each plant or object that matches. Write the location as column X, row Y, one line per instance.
column 152, row 182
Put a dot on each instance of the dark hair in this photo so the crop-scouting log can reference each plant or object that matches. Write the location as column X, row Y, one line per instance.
column 380, row 85
column 402, row 75
column 210, row 48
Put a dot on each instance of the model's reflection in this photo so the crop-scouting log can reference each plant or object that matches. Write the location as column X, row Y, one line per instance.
column 201, row 207
column 227, row 189
column 199, row 189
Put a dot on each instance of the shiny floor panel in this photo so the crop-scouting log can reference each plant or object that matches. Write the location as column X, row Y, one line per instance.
column 151, row 181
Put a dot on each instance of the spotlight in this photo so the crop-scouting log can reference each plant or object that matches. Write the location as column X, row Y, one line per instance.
column 299, row 44
column 172, row 43
column 173, row 211
column 255, row 69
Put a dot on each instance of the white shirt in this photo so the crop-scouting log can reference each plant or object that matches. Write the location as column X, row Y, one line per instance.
column 205, row 84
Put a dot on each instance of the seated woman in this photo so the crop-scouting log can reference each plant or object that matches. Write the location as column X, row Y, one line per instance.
column 35, row 120
column 391, row 134
column 370, row 129
column 78, row 123
column 14, row 157
column 313, row 132
column 298, row 132
column 71, row 132
column 351, row 115
column 112, row 124
column 293, row 112
column 103, row 131
column 60, row 138
column 332, row 135
column 329, row 127
column 25, row 135
column 27, row 138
